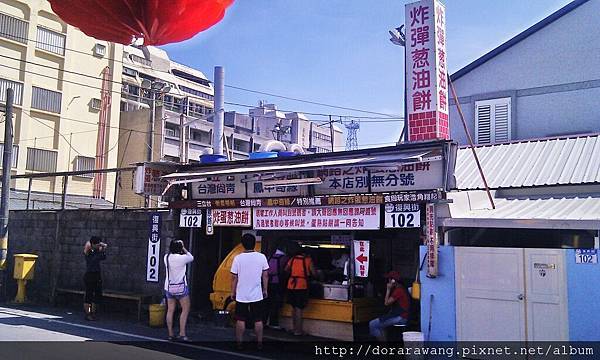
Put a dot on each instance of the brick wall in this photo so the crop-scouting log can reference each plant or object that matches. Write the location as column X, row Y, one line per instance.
column 57, row 237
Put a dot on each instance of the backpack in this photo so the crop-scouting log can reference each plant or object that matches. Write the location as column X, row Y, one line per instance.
column 305, row 272
column 275, row 273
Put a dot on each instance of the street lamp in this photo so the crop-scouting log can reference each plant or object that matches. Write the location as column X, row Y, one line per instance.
column 153, row 87
column 398, row 37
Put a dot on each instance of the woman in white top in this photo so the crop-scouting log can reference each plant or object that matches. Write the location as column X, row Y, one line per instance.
column 176, row 287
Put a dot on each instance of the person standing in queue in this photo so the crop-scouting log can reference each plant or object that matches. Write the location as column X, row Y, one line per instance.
column 277, row 263
column 300, row 267
column 396, row 296
column 249, row 287
column 95, row 252
column 176, row 287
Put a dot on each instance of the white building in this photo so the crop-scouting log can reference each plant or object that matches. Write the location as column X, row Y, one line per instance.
column 544, row 82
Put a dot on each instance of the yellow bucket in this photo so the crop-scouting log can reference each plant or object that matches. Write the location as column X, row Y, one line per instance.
column 416, row 290
column 157, row 315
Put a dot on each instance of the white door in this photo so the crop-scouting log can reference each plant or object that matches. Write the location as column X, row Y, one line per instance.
column 490, row 294
column 546, row 297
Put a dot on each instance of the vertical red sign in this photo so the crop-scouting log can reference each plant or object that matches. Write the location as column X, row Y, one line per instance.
column 426, row 71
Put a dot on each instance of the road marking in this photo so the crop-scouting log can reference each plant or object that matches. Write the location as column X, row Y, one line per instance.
column 115, row 332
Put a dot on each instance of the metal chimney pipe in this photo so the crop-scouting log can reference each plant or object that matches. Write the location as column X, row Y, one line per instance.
column 219, row 118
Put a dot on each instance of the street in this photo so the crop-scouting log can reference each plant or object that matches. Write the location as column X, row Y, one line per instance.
column 35, row 335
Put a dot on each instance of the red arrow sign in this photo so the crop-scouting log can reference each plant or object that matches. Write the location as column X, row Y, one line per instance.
column 362, row 258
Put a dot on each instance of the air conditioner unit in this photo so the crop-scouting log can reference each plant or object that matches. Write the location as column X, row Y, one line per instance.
column 99, row 50
column 96, row 104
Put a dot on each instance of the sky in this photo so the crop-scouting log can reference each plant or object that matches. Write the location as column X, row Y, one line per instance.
column 338, row 52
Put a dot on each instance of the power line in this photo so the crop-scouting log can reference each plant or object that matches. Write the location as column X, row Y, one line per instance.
column 308, row 101
column 53, row 129
column 379, row 119
column 67, row 141
column 226, row 85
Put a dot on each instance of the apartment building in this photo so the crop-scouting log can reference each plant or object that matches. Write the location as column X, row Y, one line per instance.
column 159, row 94
column 58, row 74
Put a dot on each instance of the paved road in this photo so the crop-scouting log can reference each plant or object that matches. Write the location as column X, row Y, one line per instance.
column 36, row 335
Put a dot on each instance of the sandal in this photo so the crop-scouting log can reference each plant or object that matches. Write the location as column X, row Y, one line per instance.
column 184, row 339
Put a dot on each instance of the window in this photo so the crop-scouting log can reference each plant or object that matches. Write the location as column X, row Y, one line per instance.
column 140, row 60
column 492, row 121
column 129, row 72
column 99, row 50
column 321, row 136
column 241, row 145
column 190, row 77
column 173, row 103
column 95, row 104
column 16, row 86
column 195, row 92
column 50, row 41
column 41, row 160
column 130, row 91
column 15, row 155
column 13, row 28
column 171, row 130
column 201, row 136
column 84, row 163
column 195, row 109
column 46, row 100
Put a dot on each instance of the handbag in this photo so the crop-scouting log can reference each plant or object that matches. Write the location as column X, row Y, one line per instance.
column 175, row 289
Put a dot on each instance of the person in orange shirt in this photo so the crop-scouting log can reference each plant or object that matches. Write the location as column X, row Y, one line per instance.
column 300, row 267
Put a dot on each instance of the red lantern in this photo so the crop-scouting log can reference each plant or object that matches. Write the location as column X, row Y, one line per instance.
column 156, row 21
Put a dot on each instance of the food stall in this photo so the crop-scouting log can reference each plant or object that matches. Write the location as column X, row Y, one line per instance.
column 358, row 214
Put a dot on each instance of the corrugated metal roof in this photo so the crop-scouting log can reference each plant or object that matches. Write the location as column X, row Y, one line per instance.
column 543, row 211
column 558, row 161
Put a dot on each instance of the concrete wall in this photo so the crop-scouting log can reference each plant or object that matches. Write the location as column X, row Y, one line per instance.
column 58, row 239
column 554, row 75
column 443, row 306
column 583, row 294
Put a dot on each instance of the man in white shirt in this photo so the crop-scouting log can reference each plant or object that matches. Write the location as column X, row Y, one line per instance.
column 249, row 282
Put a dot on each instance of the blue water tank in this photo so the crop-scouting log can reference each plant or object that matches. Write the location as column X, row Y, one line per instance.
column 263, row 155
column 286, row 153
column 212, row 158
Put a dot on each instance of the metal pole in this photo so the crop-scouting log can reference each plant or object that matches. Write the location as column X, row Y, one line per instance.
column 182, row 139
column 151, row 133
column 29, row 192
column 331, row 132
column 6, row 163
column 116, row 195
column 219, row 118
column 147, row 198
column 63, row 202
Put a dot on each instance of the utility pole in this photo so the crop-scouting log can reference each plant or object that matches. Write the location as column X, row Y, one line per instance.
column 331, row 132
column 5, row 196
column 182, row 142
column 148, row 198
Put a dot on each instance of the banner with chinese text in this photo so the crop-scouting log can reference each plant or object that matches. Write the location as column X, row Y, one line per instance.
column 425, row 175
column 426, row 70
column 231, row 217
column 361, row 258
column 343, row 217
column 219, row 187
